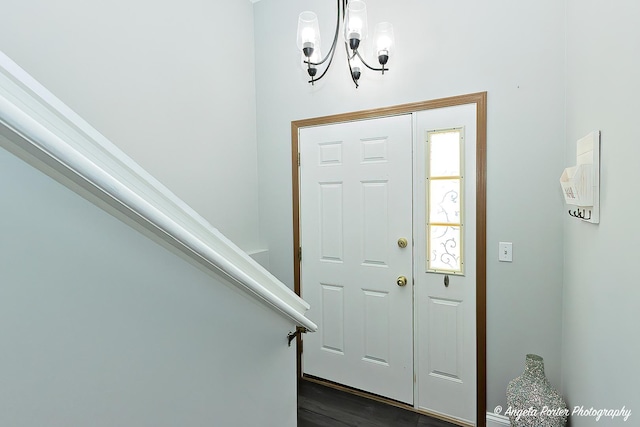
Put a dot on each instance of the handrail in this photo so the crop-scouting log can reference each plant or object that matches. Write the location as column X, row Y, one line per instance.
column 50, row 131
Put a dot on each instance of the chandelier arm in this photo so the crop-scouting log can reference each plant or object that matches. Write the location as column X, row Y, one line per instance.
column 329, row 55
column 333, row 45
column 369, row 66
column 332, row 50
column 313, row 79
column 355, row 82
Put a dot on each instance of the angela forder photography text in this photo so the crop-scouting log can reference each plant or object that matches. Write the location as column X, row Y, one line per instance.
column 578, row 411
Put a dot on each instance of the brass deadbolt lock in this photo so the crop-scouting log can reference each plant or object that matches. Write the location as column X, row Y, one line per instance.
column 402, row 242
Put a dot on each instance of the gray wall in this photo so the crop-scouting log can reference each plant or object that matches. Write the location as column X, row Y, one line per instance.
column 512, row 50
column 163, row 82
column 101, row 326
column 601, row 295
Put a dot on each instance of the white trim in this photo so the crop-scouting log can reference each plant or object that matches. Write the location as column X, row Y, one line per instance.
column 51, row 131
column 414, row 233
column 495, row 420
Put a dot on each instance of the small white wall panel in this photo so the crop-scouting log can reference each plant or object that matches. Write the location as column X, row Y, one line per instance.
column 376, row 327
column 581, row 183
column 333, row 318
column 375, row 211
column 331, row 231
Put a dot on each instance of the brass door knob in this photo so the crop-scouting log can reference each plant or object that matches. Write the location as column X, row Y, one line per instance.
column 402, row 242
column 402, row 281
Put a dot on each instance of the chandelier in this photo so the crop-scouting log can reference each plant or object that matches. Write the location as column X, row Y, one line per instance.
column 353, row 16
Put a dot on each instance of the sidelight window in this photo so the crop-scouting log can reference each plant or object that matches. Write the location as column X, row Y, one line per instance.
column 445, row 201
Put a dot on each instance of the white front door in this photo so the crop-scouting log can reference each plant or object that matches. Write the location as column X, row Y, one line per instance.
column 363, row 186
column 445, row 261
column 355, row 204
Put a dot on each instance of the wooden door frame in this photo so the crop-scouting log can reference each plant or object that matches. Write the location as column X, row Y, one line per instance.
column 480, row 100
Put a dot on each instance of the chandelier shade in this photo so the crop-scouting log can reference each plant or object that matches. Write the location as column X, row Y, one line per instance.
column 383, row 41
column 355, row 27
column 308, row 32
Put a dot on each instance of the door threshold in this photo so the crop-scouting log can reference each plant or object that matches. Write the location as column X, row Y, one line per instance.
column 384, row 400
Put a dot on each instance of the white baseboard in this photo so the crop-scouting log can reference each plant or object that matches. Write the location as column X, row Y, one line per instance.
column 494, row 420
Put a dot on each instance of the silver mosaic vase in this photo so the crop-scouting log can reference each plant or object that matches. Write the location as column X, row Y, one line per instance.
column 531, row 400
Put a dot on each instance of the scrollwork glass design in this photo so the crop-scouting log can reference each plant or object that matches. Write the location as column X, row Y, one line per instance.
column 444, row 201
column 444, row 248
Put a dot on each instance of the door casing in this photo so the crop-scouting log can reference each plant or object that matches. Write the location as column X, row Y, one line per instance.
column 480, row 100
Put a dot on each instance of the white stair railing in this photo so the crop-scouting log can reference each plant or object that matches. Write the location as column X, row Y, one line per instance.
column 41, row 127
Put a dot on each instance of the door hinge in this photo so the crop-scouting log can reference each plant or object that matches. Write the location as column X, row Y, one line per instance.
column 298, row 159
column 300, row 254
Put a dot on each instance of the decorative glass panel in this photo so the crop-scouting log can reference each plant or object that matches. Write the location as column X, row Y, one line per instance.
column 444, row 153
column 445, row 248
column 445, row 201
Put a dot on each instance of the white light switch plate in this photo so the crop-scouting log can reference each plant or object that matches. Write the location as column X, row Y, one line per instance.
column 505, row 251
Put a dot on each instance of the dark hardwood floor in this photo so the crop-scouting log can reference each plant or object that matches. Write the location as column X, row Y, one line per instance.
column 321, row 406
